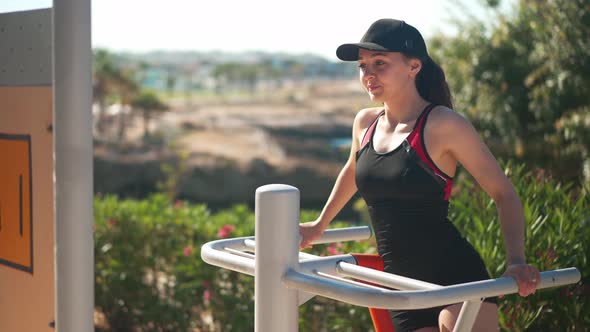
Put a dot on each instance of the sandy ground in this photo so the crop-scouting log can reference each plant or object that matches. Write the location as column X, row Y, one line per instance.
column 239, row 130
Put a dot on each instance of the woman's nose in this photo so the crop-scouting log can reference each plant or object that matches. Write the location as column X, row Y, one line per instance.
column 367, row 73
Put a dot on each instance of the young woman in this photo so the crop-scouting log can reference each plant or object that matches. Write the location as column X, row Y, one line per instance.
column 402, row 161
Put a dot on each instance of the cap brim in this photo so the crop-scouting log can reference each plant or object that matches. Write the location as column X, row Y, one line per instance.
column 350, row 52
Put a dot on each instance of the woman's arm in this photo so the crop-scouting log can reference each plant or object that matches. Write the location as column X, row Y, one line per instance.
column 344, row 187
column 462, row 142
column 343, row 190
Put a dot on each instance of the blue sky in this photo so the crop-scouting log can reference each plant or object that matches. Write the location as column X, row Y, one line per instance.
column 314, row 26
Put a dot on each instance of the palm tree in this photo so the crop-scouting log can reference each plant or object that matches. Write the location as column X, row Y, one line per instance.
column 105, row 73
column 111, row 81
column 148, row 102
column 128, row 89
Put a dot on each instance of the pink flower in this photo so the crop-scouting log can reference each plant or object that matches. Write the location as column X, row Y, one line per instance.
column 187, row 250
column 547, row 257
column 111, row 222
column 225, row 231
column 178, row 204
column 334, row 248
column 551, row 255
column 206, row 297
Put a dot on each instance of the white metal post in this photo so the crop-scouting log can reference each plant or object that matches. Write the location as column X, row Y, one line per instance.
column 72, row 83
column 277, row 250
column 467, row 315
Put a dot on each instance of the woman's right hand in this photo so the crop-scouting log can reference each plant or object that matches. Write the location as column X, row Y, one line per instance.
column 309, row 231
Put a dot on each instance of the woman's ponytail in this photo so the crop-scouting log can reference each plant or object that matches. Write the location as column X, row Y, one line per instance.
column 432, row 85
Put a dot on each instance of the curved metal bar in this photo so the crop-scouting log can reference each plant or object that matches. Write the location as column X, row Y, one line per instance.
column 221, row 253
column 214, row 253
column 387, row 299
column 344, row 234
column 384, row 279
column 332, row 235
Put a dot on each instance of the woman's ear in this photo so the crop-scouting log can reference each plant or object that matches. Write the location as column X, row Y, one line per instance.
column 415, row 67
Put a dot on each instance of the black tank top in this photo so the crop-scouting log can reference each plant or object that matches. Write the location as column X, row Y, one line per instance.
column 407, row 197
column 405, row 173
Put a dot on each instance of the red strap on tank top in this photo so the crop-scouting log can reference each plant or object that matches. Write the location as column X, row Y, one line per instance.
column 416, row 140
column 370, row 130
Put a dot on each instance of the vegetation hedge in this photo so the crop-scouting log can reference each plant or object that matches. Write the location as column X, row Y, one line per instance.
column 150, row 277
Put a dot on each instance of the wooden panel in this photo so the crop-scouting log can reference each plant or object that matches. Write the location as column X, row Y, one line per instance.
column 26, row 187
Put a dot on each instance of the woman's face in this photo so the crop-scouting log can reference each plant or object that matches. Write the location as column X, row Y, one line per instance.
column 385, row 75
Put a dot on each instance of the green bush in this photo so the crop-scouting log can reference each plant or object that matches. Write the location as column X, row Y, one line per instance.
column 150, row 277
column 557, row 236
column 148, row 270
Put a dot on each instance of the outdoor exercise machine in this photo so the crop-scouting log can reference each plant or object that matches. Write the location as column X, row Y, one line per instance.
column 286, row 278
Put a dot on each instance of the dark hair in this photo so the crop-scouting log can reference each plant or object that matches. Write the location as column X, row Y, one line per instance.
column 432, row 84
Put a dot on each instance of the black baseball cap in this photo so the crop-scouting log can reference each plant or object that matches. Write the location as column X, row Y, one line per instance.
column 387, row 35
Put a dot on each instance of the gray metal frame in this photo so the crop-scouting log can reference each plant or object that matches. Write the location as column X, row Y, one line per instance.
column 277, row 219
column 74, row 219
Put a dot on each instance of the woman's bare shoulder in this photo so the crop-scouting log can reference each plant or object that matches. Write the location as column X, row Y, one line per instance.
column 447, row 126
column 366, row 116
column 444, row 118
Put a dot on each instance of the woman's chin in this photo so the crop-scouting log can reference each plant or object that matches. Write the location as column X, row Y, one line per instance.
column 375, row 98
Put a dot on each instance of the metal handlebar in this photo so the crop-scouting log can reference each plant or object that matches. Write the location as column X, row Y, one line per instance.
column 322, row 276
column 286, row 277
column 419, row 299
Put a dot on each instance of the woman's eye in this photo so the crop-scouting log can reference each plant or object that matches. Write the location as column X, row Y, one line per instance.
column 379, row 62
column 362, row 65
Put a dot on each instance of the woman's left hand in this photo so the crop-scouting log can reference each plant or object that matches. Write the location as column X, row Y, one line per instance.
column 527, row 277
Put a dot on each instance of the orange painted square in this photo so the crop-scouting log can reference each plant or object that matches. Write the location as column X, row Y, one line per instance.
column 16, row 236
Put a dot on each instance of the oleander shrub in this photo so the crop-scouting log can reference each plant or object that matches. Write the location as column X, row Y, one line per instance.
column 148, row 272
column 150, row 277
column 557, row 235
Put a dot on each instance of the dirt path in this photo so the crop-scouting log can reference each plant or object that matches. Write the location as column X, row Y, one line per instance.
column 241, row 132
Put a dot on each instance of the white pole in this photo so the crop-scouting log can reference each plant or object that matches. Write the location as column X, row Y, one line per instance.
column 277, row 249
column 72, row 84
column 467, row 315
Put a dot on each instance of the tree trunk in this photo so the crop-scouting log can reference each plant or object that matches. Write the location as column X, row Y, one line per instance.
column 101, row 116
column 122, row 126
column 146, row 120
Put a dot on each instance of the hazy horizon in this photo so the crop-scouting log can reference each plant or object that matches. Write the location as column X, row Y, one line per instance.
column 309, row 27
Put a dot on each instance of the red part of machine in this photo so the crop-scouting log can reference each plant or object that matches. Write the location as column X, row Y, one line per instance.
column 381, row 319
